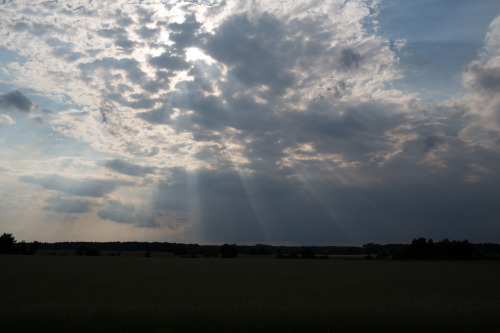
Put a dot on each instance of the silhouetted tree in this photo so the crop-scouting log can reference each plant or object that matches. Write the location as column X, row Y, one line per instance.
column 7, row 244
column 426, row 249
column 22, row 248
column 421, row 248
column 307, row 253
column 229, row 251
column 260, row 249
column 34, row 247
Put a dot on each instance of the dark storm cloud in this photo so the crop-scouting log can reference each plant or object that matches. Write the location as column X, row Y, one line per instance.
column 431, row 142
column 405, row 164
column 205, row 75
column 157, row 116
column 21, row 26
column 86, row 187
column 315, row 206
column 253, row 208
column 349, row 58
column 147, row 33
column 169, row 61
column 118, row 212
column 189, row 95
column 120, row 37
column 256, row 52
column 145, row 15
column 126, row 44
column 209, row 110
column 128, row 168
column 64, row 50
column 185, row 34
column 238, row 207
column 212, row 113
column 485, row 79
column 15, row 100
column 257, row 55
column 357, row 131
column 72, row 206
column 123, row 19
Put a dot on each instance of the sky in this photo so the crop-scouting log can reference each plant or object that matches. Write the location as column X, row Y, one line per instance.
column 300, row 122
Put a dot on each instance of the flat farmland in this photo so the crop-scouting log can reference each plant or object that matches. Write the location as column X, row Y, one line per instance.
column 134, row 294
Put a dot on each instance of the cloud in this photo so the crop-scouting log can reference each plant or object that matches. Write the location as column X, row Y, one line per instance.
column 255, row 55
column 6, row 120
column 15, row 100
column 120, row 37
column 128, row 168
column 117, row 211
column 482, row 80
column 146, row 32
column 129, row 65
column 249, row 121
column 72, row 206
column 349, row 59
column 185, row 34
column 86, row 187
column 169, row 61
column 323, row 203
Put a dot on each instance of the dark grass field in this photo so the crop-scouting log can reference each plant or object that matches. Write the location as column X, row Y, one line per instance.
column 134, row 294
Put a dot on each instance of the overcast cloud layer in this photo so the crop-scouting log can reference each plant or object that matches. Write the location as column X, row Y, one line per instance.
column 284, row 122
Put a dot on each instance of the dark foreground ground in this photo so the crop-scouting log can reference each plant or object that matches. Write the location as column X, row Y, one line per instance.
column 131, row 294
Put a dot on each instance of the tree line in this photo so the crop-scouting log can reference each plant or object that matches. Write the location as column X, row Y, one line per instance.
column 427, row 249
column 9, row 245
column 419, row 249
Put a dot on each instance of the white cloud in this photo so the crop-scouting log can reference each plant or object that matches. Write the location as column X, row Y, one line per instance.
column 482, row 80
column 6, row 120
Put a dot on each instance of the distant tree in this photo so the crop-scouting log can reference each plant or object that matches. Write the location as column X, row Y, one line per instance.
column 7, row 244
column 22, row 248
column 421, row 248
column 455, row 249
column 260, row 249
column 307, row 253
column 352, row 250
column 426, row 249
column 34, row 247
column 229, row 251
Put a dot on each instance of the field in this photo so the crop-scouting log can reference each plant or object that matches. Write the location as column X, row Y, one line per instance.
column 135, row 294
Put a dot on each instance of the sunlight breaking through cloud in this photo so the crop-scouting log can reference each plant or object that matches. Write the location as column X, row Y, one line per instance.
column 249, row 121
